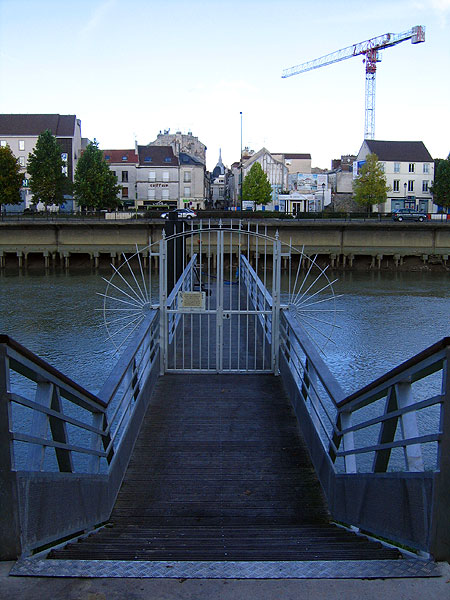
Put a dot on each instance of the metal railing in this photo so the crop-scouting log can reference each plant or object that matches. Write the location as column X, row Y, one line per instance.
column 61, row 445
column 382, row 453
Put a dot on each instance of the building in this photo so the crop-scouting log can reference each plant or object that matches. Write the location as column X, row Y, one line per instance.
column 123, row 164
column 409, row 171
column 295, row 163
column 182, row 142
column 219, row 192
column 21, row 131
column 157, row 176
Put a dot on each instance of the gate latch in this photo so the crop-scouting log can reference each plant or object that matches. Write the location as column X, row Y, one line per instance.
column 227, row 315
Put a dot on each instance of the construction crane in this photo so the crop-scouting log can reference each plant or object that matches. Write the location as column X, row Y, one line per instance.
column 371, row 50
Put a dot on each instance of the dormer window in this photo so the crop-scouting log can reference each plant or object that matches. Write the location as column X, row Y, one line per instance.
column 124, row 157
column 148, row 159
column 167, row 159
column 107, row 157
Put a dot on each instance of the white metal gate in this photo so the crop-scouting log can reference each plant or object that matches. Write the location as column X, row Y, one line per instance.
column 220, row 316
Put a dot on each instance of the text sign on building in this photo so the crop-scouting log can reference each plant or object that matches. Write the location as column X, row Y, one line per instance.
column 158, row 185
column 191, row 301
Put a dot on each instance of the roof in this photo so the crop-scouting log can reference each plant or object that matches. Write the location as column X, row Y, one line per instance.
column 59, row 125
column 399, row 151
column 292, row 156
column 157, row 156
column 187, row 159
column 117, row 156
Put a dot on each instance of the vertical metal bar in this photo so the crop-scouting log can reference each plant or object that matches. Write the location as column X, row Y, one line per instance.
column 58, row 428
column 440, row 517
column 408, row 421
column 239, row 301
column 348, row 443
column 200, row 281
column 163, row 334
column 191, row 275
column 219, row 309
column 10, row 532
column 231, row 297
column 208, row 299
column 39, row 426
column 247, row 296
column 276, row 284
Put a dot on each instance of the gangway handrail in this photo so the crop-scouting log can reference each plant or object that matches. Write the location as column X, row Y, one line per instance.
column 353, row 451
column 70, row 450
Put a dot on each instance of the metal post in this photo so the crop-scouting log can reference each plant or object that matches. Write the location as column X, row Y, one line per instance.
column 10, row 543
column 440, row 519
column 276, row 284
column 219, row 307
column 163, row 337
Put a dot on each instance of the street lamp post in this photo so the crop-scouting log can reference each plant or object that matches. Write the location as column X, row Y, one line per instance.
column 323, row 196
column 404, row 199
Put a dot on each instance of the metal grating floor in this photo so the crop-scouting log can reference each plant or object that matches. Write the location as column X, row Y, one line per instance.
column 371, row 569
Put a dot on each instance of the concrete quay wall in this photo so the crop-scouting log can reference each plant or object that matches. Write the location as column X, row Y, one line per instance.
column 343, row 244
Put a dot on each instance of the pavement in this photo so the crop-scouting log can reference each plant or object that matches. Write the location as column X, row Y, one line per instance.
column 52, row 588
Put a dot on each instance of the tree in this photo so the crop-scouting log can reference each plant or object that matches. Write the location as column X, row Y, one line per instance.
column 95, row 185
column 256, row 187
column 370, row 187
column 45, row 166
column 10, row 177
column 441, row 184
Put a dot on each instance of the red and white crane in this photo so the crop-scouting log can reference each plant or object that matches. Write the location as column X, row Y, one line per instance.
column 370, row 49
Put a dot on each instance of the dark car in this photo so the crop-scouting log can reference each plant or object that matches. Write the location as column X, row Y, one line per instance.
column 183, row 213
column 409, row 214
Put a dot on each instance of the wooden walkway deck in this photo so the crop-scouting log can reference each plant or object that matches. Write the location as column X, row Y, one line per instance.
column 220, row 472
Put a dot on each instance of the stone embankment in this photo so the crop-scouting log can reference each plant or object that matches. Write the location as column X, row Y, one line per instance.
column 343, row 245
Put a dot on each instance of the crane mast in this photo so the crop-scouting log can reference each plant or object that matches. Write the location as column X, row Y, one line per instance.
column 371, row 50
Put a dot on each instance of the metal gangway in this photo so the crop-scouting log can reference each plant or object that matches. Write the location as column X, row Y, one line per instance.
column 221, row 368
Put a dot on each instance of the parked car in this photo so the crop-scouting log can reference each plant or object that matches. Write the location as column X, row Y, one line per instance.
column 183, row 213
column 409, row 214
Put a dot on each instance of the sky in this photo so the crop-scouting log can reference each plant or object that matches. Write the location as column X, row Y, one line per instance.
column 129, row 69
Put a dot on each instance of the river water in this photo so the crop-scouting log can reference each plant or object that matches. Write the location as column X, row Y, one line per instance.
column 384, row 318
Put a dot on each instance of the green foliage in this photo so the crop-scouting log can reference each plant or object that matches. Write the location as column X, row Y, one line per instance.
column 47, row 181
column 10, row 177
column 441, row 185
column 370, row 187
column 256, row 187
column 95, row 185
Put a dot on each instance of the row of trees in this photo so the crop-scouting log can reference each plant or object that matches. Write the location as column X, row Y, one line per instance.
column 94, row 186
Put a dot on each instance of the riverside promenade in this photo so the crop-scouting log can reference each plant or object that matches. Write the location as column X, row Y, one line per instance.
column 342, row 244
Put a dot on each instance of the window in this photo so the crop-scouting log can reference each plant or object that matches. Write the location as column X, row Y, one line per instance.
column 426, row 167
column 151, row 193
column 2, row 143
column 396, row 167
column 64, row 156
column 187, row 177
column 167, row 159
column 22, row 161
column 152, row 176
column 114, row 173
column 396, row 186
column 425, row 185
column 410, row 185
column 165, row 176
column 124, row 176
column 165, row 194
column 107, row 157
column 124, row 192
column 21, row 145
column 412, row 167
column 148, row 159
column 64, row 170
column 124, row 157
column 187, row 192
column 383, row 167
